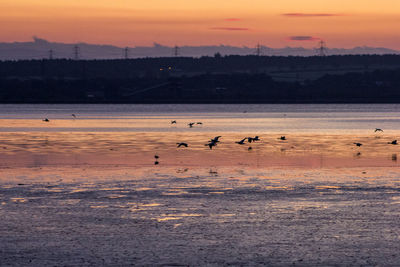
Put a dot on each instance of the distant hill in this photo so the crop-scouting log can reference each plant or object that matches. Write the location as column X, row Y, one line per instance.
column 39, row 48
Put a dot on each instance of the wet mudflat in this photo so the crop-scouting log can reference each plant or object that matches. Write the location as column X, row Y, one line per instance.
column 200, row 217
column 85, row 191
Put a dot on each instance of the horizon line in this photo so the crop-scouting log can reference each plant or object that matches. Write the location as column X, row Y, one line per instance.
column 36, row 39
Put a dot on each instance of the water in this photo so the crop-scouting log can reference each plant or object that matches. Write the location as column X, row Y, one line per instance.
column 86, row 191
column 294, row 118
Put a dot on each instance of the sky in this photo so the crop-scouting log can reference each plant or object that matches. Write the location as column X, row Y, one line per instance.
column 274, row 23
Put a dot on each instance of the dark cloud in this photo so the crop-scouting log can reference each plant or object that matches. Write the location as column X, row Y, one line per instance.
column 303, row 38
column 307, row 15
column 229, row 29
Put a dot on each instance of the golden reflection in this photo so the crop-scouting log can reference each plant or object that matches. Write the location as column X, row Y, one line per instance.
column 36, row 149
column 163, row 219
column 115, row 196
column 178, row 216
column 18, row 199
column 150, row 205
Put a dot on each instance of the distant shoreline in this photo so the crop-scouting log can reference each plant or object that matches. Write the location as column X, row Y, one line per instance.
column 375, row 101
column 206, row 80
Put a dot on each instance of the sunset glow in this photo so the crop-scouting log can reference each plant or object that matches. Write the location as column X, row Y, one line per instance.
column 234, row 22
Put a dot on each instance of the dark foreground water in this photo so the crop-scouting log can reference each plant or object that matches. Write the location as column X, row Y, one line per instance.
column 175, row 217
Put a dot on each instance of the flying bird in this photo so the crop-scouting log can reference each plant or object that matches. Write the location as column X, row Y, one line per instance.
column 73, row 115
column 182, row 144
column 358, row 144
column 394, row 142
column 156, row 157
column 173, row 122
column 378, row 130
column 250, row 148
column 282, row 137
column 241, row 142
column 46, row 120
column 253, row 139
column 215, row 139
column 156, row 162
column 211, row 144
column 191, row 124
column 199, row 123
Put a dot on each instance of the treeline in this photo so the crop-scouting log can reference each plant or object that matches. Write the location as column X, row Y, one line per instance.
column 381, row 86
column 181, row 66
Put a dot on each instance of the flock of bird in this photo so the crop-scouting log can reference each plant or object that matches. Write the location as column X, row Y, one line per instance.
column 394, row 142
column 214, row 141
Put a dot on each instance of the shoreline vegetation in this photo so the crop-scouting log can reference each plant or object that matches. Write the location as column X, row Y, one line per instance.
column 214, row 80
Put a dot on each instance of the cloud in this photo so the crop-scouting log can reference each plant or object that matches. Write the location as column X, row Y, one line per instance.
column 308, row 15
column 232, row 19
column 229, row 29
column 303, row 38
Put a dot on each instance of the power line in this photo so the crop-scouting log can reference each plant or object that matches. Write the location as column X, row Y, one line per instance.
column 176, row 51
column 76, row 52
column 126, row 53
column 258, row 50
column 321, row 50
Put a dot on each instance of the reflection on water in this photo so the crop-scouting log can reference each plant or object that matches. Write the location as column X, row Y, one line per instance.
column 148, row 211
column 215, row 118
column 138, row 149
column 130, row 135
column 89, row 185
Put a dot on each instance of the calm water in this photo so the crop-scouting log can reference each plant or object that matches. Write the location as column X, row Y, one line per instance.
column 95, row 197
column 215, row 118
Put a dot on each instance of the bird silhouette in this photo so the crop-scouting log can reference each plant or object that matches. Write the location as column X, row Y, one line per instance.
column 358, row 144
column 199, row 123
column 191, row 124
column 394, row 142
column 173, row 122
column 378, row 130
column 156, row 157
column 46, row 120
column 241, row 142
column 216, row 139
column 250, row 148
column 211, row 144
column 282, row 137
column 156, row 162
column 182, row 144
column 253, row 139
column 73, row 115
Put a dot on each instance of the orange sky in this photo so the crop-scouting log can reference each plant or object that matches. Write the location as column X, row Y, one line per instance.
column 341, row 23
